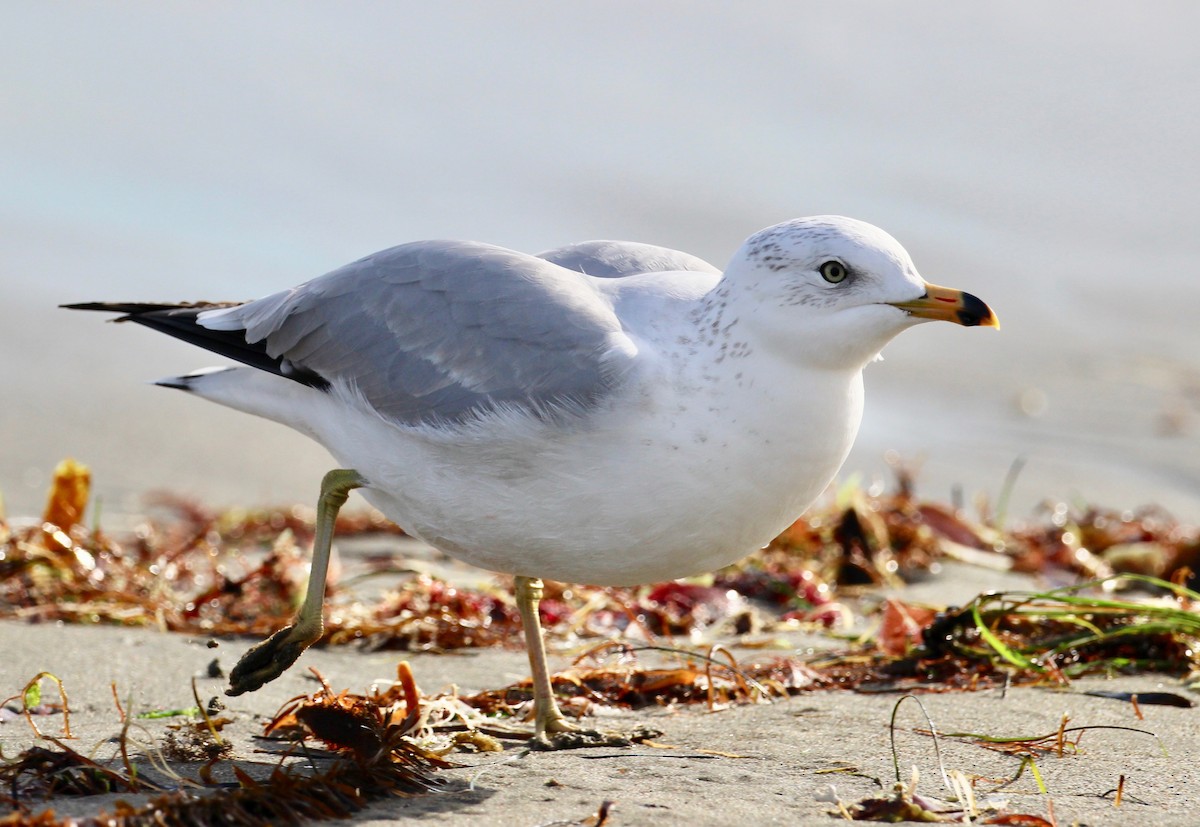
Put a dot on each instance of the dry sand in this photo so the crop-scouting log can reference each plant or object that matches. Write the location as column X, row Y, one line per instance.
column 766, row 764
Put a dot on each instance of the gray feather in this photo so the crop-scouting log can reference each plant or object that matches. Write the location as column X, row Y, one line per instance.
column 440, row 331
column 614, row 259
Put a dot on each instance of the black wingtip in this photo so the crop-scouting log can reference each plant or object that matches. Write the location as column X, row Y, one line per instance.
column 181, row 320
column 180, row 383
column 138, row 308
column 105, row 307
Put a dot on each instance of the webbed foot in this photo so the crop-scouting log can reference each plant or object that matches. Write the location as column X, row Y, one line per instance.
column 574, row 737
column 266, row 661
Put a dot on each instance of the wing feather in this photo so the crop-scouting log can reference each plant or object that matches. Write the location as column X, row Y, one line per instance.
column 615, row 259
column 439, row 331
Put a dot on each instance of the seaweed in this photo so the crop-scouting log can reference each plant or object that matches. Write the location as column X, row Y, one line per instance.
column 1004, row 638
column 374, row 759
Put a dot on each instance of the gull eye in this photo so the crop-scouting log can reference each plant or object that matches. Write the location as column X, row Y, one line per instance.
column 834, row 272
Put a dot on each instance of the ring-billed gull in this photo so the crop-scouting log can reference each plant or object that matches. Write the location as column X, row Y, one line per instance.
column 607, row 413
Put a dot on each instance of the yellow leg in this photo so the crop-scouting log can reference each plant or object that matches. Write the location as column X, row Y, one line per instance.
column 547, row 717
column 269, row 659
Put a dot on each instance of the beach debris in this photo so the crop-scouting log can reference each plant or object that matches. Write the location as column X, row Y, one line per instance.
column 33, row 704
column 197, row 741
column 904, row 803
column 65, row 503
column 1021, row 637
column 1149, row 699
column 1146, row 698
column 597, row 819
column 40, row 773
column 713, row 678
column 435, row 725
column 373, row 758
column 1062, row 741
column 963, row 806
column 966, row 804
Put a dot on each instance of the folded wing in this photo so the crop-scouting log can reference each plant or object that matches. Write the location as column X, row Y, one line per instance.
column 429, row 332
column 614, row 259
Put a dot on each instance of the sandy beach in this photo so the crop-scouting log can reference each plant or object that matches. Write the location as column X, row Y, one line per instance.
column 779, row 763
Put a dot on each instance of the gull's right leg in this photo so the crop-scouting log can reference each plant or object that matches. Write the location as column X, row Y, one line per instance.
column 269, row 659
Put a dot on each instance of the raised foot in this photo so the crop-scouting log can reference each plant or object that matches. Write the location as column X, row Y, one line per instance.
column 266, row 661
column 581, row 738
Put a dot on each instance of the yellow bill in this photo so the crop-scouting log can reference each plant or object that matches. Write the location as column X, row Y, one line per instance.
column 950, row 305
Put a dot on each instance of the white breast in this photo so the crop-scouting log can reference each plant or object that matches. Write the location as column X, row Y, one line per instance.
column 657, row 485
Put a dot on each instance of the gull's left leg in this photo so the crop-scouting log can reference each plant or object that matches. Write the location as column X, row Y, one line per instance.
column 546, row 715
column 268, row 660
column 550, row 729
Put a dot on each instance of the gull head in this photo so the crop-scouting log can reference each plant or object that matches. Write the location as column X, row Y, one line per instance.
column 833, row 291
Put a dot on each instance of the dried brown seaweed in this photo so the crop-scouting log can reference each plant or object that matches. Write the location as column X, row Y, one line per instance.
column 376, row 759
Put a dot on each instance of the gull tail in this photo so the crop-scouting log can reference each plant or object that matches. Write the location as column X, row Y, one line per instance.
column 255, row 392
column 190, row 382
column 182, row 322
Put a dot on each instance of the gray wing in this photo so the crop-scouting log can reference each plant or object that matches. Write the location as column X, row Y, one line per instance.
column 614, row 259
column 440, row 331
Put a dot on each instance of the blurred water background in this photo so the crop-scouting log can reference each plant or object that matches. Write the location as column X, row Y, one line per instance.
column 1042, row 156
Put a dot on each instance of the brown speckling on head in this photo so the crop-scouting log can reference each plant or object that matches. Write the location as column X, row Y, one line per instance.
column 798, row 245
